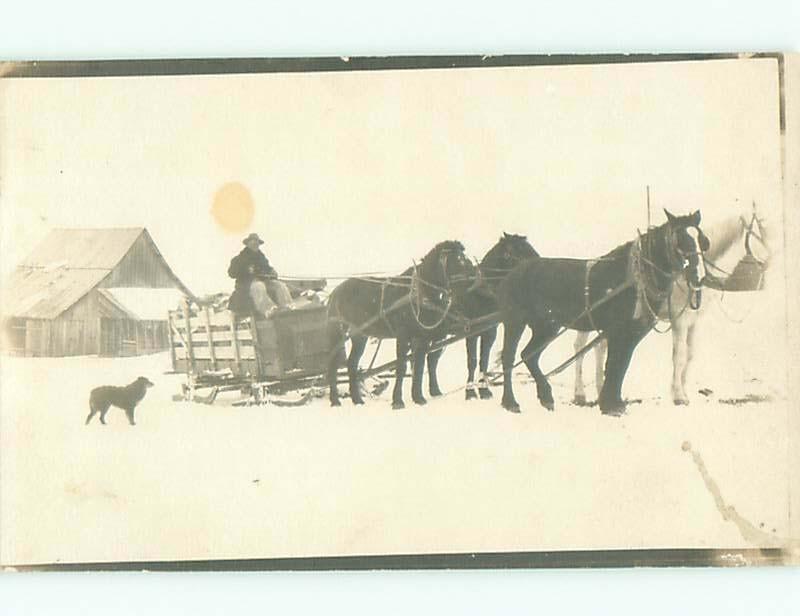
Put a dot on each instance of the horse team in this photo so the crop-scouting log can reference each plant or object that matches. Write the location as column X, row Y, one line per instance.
column 621, row 295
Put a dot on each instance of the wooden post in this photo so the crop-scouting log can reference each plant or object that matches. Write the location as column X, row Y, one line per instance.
column 212, row 353
column 235, row 341
column 256, row 351
column 190, row 348
column 172, row 342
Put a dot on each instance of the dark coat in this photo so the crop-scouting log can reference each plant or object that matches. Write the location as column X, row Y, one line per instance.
column 240, row 270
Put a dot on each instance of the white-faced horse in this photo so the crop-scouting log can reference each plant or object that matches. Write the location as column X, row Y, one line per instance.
column 738, row 250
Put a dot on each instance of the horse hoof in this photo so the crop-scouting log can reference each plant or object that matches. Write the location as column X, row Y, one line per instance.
column 420, row 401
column 398, row 405
column 358, row 401
column 680, row 402
column 436, row 393
column 613, row 409
column 550, row 405
column 580, row 400
column 485, row 393
column 471, row 395
column 336, row 403
column 512, row 407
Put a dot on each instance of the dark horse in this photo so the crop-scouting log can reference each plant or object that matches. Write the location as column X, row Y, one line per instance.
column 633, row 281
column 411, row 308
column 481, row 301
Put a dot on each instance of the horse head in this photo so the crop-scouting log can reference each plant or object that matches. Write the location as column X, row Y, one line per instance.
column 739, row 254
column 509, row 251
column 444, row 269
column 685, row 243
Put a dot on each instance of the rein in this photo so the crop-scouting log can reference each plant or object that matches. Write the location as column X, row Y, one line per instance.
column 416, row 296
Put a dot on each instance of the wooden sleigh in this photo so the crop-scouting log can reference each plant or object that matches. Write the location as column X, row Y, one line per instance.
column 219, row 352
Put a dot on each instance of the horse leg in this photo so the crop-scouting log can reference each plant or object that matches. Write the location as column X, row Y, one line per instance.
column 337, row 357
column 403, row 346
column 579, row 396
column 357, row 345
column 487, row 340
column 680, row 352
column 420, row 351
column 600, row 353
column 620, row 350
column 512, row 332
column 433, row 380
column 543, row 334
column 689, row 357
column 472, row 363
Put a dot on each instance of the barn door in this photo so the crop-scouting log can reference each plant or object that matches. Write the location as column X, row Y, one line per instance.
column 73, row 332
column 110, row 337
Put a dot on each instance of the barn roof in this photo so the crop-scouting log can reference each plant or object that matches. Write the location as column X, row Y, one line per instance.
column 83, row 248
column 65, row 266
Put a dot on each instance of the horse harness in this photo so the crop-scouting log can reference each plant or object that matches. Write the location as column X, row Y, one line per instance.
column 589, row 265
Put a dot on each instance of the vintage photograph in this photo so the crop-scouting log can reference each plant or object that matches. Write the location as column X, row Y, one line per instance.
column 468, row 311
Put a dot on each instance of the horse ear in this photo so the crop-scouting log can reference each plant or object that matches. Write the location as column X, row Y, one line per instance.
column 505, row 235
column 696, row 217
column 670, row 217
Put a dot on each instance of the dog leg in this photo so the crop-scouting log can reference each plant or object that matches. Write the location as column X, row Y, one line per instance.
column 92, row 412
column 103, row 412
column 129, row 414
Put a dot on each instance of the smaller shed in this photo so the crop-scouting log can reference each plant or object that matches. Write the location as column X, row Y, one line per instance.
column 91, row 291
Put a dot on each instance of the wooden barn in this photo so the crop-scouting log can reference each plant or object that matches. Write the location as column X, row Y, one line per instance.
column 91, row 291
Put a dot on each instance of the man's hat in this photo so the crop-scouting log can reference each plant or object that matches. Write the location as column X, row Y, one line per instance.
column 252, row 236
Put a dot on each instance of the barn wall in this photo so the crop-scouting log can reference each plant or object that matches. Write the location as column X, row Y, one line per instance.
column 125, row 337
column 28, row 337
column 37, row 338
column 141, row 267
column 14, row 336
column 82, row 335
column 67, row 337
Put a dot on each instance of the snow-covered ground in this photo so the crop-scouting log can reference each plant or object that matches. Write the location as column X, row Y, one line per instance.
column 197, row 481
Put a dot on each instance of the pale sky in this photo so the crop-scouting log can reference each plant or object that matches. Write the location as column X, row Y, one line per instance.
column 364, row 171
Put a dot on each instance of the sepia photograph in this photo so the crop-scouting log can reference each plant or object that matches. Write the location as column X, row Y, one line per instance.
column 400, row 312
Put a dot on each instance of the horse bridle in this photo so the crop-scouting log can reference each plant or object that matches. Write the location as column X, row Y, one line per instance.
column 682, row 263
column 443, row 259
column 445, row 290
column 508, row 256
